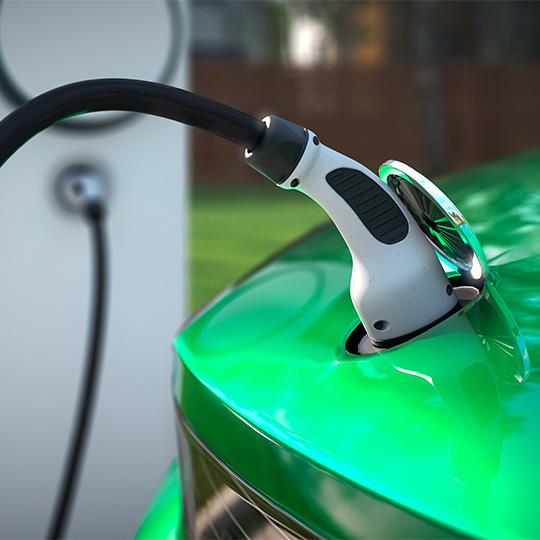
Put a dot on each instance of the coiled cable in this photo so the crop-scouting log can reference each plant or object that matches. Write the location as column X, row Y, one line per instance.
column 178, row 31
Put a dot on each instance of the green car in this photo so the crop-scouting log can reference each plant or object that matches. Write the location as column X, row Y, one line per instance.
column 290, row 423
column 284, row 430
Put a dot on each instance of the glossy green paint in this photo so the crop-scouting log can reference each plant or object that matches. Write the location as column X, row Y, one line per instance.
column 433, row 438
column 164, row 517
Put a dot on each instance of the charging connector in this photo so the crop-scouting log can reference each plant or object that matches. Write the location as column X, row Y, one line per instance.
column 398, row 287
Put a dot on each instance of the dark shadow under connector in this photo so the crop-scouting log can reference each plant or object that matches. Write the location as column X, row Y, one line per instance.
column 358, row 342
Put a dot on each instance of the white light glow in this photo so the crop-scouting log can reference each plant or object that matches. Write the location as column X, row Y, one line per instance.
column 308, row 38
column 476, row 269
column 416, row 374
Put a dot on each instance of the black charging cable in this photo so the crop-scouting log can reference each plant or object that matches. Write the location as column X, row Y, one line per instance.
column 126, row 95
column 80, row 190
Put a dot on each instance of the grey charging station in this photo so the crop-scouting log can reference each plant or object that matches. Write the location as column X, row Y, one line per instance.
column 45, row 283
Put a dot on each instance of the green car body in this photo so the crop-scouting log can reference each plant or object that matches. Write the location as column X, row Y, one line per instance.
column 435, row 438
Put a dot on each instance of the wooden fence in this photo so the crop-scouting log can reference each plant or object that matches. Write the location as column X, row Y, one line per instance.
column 374, row 114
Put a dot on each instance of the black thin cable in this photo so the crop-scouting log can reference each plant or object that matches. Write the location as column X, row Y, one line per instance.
column 89, row 383
column 126, row 95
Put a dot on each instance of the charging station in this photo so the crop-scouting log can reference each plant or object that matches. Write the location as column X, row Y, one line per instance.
column 45, row 284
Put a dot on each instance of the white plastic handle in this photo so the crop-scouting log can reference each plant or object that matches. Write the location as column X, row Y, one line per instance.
column 398, row 286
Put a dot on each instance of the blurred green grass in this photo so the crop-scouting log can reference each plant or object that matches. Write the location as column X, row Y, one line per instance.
column 233, row 228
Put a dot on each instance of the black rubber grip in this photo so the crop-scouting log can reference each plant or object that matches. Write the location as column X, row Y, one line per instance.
column 370, row 202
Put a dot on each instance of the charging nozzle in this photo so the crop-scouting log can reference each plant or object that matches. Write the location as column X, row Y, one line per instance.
column 398, row 286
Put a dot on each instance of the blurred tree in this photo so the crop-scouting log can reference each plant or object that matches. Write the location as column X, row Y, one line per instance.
column 247, row 30
column 507, row 32
column 428, row 85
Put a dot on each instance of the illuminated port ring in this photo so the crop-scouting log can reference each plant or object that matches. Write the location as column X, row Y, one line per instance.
column 440, row 220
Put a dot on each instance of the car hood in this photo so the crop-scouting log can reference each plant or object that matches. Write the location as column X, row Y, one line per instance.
column 436, row 437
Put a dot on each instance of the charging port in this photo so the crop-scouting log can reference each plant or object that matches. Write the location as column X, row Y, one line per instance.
column 358, row 342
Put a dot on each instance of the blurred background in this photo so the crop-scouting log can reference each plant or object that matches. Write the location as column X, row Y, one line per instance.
column 444, row 84
column 439, row 85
